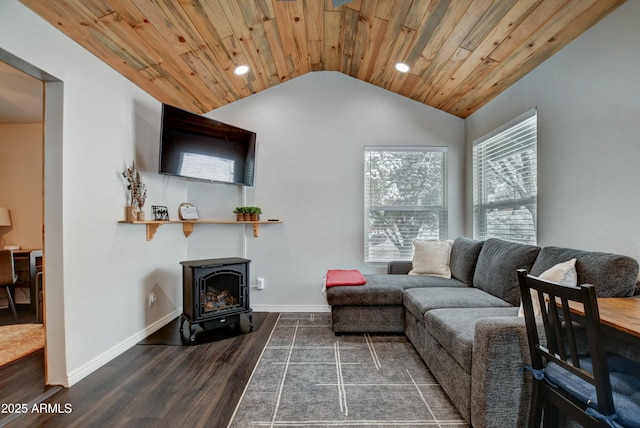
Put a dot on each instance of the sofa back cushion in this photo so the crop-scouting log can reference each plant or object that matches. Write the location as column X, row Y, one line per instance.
column 613, row 275
column 497, row 265
column 464, row 257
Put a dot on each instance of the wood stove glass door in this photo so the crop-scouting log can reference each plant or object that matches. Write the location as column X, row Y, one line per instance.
column 221, row 291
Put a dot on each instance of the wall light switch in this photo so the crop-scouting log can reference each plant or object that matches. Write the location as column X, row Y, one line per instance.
column 260, row 283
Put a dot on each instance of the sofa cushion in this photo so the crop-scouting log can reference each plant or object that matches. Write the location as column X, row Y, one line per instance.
column 382, row 289
column 454, row 329
column 420, row 300
column 497, row 265
column 464, row 256
column 414, row 281
column 376, row 291
column 613, row 275
column 431, row 258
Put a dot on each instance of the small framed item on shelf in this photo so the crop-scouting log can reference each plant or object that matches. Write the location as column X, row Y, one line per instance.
column 187, row 212
column 160, row 213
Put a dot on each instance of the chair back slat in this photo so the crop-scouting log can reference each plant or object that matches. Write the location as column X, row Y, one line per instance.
column 554, row 335
column 571, row 335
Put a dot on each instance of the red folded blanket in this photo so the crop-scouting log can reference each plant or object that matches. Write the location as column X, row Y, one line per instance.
column 344, row 277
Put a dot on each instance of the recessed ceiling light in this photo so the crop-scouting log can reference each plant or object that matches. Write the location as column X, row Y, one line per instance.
column 241, row 69
column 402, row 67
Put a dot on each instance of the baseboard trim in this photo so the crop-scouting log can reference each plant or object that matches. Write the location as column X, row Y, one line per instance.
column 76, row 375
column 80, row 373
column 291, row 308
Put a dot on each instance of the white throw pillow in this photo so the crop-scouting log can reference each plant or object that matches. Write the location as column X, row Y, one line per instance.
column 562, row 273
column 431, row 258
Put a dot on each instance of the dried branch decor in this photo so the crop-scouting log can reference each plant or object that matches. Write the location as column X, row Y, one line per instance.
column 137, row 189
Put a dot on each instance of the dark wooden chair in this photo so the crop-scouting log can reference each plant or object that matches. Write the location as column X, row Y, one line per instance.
column 571, row 376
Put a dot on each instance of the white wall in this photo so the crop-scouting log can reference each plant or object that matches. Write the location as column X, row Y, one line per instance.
column 107, row 268
column 21, row 178
column 588, row 99
column 310, row 173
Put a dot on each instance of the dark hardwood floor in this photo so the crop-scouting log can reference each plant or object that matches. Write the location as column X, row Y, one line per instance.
column 22, row 382
column 155, row 386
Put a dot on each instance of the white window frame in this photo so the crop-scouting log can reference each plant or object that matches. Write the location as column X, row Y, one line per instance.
column 383, row 253
column 507, row 158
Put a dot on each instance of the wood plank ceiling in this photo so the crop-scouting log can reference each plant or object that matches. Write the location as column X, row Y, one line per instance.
column 462, row 53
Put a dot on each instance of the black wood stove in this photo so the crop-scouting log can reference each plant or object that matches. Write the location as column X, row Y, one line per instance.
column 215, row 293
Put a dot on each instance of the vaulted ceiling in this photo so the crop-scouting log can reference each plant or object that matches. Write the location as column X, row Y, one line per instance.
column 462, row 53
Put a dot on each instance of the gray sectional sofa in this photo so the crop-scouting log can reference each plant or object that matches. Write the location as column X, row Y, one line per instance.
column 466, row 328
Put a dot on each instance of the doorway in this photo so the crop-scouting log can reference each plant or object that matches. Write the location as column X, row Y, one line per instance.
column 48, row 215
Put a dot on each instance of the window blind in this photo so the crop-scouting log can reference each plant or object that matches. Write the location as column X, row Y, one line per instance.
column 405, row 199
column 505, row 182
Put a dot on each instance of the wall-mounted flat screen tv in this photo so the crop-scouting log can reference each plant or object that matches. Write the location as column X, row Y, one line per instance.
column 197, row 147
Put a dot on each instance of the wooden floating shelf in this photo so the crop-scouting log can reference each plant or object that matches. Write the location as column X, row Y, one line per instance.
column 187, row 225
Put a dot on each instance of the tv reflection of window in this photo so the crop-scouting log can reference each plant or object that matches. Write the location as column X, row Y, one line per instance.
column 207, row 167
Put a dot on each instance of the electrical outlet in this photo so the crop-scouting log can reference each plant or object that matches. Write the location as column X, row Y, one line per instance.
column 260, row 283
column 152, row 299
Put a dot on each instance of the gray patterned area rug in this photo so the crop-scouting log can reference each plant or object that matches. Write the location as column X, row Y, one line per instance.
column 308, row 377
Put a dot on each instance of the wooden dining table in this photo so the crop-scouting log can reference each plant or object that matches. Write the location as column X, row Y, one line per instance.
column 620, row 316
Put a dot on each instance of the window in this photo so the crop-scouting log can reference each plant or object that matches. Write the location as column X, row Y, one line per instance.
column 404, row 199
column 505, row 182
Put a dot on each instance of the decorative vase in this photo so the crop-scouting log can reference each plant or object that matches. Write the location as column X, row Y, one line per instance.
column 141, row 216
column 131, row 213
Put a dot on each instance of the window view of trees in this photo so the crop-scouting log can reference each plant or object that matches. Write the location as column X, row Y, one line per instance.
column 505, row 188
column 404, row 200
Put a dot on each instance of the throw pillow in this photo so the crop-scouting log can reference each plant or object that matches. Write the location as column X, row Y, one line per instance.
column 431, row 258
column 562, row 273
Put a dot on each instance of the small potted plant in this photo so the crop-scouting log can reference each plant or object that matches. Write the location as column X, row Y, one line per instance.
column 239, row 212
column 247, row 213
column 254, row 213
